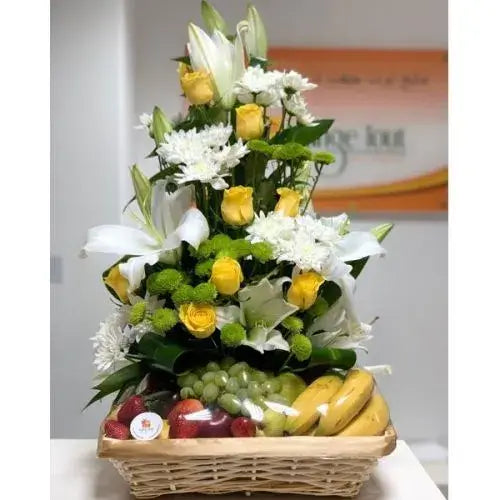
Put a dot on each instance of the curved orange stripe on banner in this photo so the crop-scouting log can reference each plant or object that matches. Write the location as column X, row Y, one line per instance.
column 434, row 179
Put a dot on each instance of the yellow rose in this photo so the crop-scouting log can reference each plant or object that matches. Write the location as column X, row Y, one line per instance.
column 118, row 283
column 249, row 121
column 237, row 206
column 304, row 290
column 197, row 87
column 226, row 275
column 199, row 319
column 289, row 202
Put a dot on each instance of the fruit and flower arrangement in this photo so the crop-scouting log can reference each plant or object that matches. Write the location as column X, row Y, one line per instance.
column 234, row 311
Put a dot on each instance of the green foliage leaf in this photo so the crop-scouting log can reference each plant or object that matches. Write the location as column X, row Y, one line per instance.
column 183, row 59
column 117, row 381
column 164, row 354
column 303, row 134
column 259, row 61
column 334, row 358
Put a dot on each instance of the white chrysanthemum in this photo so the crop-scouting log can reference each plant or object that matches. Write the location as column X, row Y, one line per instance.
column 146, row 120
column 319, row 229
column 292, row 82
column 319, row 244
column 304, row 251
column 136, row 332
column 202, row 156
column 296, row 106
column 205, row 171
column 272, row 228
column 257, row 85
column 111, row 343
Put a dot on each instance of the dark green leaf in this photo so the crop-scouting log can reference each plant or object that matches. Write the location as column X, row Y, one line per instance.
column 259, row 61
column 335, row 358
column 183, row 59
column 116, row 380
column 164, row 354
column 303, row 134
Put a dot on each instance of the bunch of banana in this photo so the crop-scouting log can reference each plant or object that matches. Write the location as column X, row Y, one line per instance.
column 307, row 408
column 346, row 402
column 343, row 408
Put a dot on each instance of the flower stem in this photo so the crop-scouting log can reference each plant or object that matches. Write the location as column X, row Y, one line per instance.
column 318, row 173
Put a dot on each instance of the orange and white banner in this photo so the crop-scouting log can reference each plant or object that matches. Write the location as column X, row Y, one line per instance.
column 390, row 134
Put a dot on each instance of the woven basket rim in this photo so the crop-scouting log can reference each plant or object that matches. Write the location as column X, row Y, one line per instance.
column 290, row 446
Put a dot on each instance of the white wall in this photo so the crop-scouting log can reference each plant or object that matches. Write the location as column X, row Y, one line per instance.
column 90, row 120
column 408, row 288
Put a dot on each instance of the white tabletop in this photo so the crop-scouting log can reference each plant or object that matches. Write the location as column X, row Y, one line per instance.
column 76, row 473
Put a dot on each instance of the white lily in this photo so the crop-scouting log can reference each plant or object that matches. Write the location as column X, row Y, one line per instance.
column 340, row 326
column 224, row 60
column 262, row 308
column 173, row 220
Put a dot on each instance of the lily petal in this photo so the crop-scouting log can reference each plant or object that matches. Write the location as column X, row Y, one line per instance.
column 358, row 244
column 119, row 240
column 134, row 270
column 193, row 228
column 334, row 268
column 168, row 209
column 227, row 314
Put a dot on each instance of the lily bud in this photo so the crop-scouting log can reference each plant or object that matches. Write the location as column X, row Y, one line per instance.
column 212, row 18
column 256, row 38
column 160, row 125
column 142, row 188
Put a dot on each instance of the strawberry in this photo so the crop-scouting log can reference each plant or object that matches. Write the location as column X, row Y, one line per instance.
column 116, row 430
column 180, row 426
column 132, row 407
column 243, row 427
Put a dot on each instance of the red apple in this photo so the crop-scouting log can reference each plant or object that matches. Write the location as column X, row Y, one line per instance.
column 218, row 426
column 243, row 427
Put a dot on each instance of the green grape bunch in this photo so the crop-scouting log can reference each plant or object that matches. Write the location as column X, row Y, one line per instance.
column 231, row 385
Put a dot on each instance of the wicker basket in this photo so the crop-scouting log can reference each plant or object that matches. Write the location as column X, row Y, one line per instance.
column 300, row 464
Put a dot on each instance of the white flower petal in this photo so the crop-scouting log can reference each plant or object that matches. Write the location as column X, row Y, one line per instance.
column 168, row 208
column 119, row 240
column 227, row 314
column 358, row 244
column 193, row 227
column 134, row 270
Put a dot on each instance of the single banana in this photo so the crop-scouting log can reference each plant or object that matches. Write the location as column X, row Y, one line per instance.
column 309, row 404
column 346, row 403
column 371, row 421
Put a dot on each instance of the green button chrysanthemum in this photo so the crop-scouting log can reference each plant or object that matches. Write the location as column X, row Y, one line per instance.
column 137, row 313
column 301, row 347
column 164, row 320
column 232, row 334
